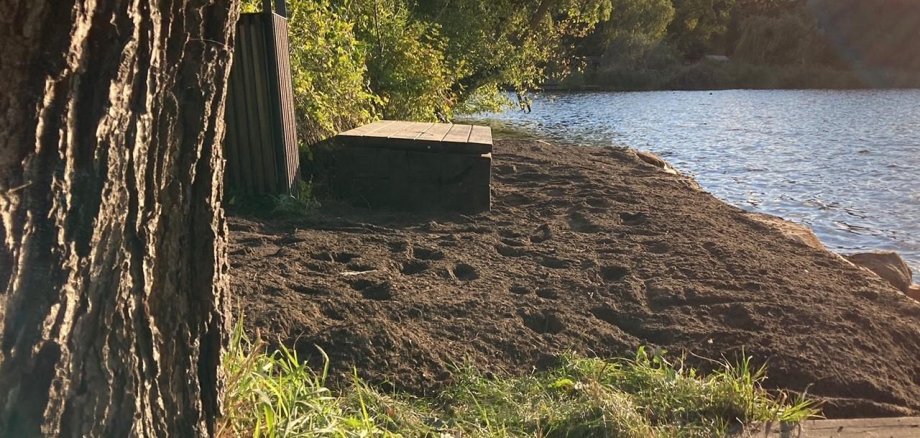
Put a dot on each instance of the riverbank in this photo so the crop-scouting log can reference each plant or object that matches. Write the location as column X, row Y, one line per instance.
column 587, row 250
column 838, row 162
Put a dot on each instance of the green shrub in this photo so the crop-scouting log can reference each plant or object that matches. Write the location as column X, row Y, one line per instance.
column 405, row 62
column 331, row 90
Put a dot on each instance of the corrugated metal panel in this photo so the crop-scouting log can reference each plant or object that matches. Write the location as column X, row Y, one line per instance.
column 286, row 94
column 261, row 141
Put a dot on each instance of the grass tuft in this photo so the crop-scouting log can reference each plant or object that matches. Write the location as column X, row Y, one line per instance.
column 275, row 394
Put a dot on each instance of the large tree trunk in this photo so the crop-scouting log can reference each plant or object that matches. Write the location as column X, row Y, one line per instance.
column 112, row 240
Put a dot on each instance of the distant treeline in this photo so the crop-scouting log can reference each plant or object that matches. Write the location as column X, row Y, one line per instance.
column 355, row 61
column 358, row 60
column 705, row 44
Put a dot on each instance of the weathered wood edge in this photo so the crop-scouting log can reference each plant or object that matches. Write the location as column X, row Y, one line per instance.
column 388, row 134
column 876, row 427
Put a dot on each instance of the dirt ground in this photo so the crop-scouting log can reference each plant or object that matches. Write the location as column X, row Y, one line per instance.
column 586, row 250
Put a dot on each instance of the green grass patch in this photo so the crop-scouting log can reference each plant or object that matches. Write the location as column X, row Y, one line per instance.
column 275, row 394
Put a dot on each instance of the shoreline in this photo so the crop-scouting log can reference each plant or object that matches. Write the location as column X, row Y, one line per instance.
column 791, row 228
column 592, row 251
column 836, row 238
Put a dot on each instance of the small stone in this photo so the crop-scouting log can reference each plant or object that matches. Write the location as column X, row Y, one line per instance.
column 887, row 265
column 656, row 161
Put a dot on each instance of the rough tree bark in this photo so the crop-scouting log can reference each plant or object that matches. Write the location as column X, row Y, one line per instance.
column 112, row 239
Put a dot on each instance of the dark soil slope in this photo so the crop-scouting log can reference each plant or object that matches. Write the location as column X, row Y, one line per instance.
column 586, row 250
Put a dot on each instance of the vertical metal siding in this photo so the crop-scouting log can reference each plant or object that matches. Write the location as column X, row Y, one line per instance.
column 261, row 142
column 285, row 83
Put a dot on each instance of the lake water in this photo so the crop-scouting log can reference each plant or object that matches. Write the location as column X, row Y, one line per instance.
column 845, row 163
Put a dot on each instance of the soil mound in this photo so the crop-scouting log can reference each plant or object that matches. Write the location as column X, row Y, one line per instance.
column 587, row 250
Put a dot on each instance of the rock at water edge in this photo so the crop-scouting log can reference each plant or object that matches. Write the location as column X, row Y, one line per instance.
column 888, row 265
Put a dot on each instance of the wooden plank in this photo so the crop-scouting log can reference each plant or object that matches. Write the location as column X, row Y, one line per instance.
column 898, row 427
column 261, row 138
column 253, row 106
column 390, row 127
column 873, row 422
column 436, row 132
column 481, row 135
column 366, row 129
column 232, row 137
column 415, row 136
column 458, row 134
column 267, row 140
column 381, row 126
column 411, row 131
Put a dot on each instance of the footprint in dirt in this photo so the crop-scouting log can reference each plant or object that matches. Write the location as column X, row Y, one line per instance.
column 580, row 223
column 402, row 246
column 738, row 316
column 331, row 256
column 541, row 234
column 519, row 290
column 505, row 169
column 544, row 322
column 332, row 313
column 657, row 247
column 598, row 202
column 515, row 199
column 634, row 218
column 614, row 273
column 555, row 263
column 423, row 253
column 462, row 272
column 510, row 251
column 373, row 290
column 517, row 243
column 631, row 324
column 413, row 267
column 548, row 293
column 619, row 195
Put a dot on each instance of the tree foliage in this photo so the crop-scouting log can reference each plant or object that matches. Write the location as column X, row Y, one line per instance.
column 769, row 43
column 782, row 40
column 635, row 29
column 407, row 66
column 697, row 23
column 516, row 43
column 355, row 60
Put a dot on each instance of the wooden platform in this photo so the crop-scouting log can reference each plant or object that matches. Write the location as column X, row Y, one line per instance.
column 902, row 427
column 417, row 136
column 412, row 166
